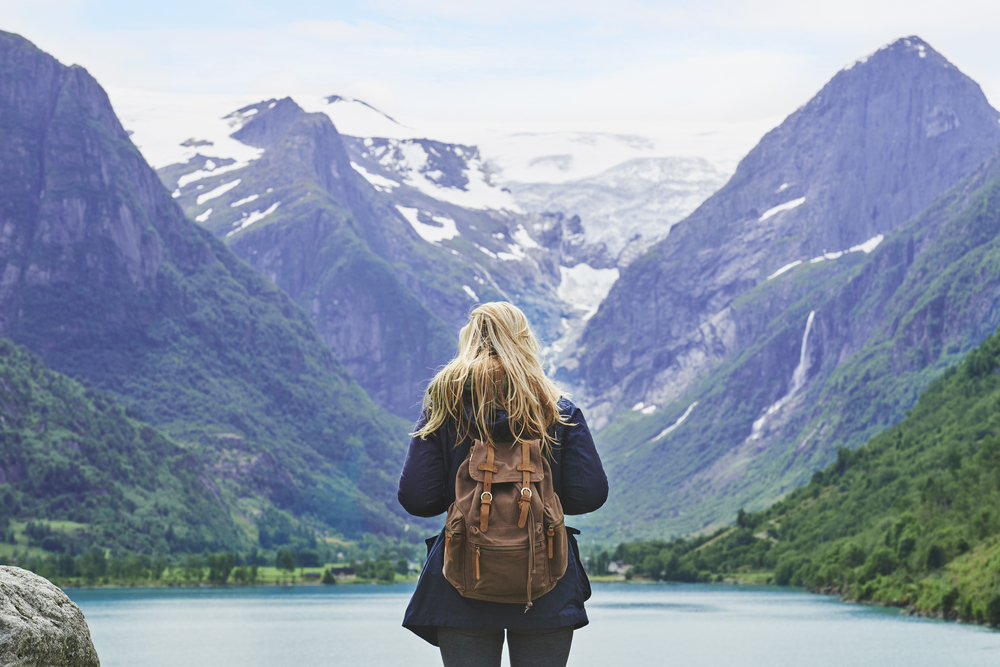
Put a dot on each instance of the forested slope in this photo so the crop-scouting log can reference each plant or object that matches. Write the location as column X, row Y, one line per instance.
column 910, row 519
column 73, row 456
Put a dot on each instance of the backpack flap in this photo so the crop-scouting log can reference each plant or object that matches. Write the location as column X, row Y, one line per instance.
column 506, row 465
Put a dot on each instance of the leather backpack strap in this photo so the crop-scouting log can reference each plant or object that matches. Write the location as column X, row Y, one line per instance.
column 486, row 499
column 526, row 469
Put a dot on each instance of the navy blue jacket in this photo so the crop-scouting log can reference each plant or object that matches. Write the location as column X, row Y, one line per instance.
column 427, row 488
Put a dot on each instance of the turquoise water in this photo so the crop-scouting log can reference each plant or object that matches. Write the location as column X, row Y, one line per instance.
column 634, row 625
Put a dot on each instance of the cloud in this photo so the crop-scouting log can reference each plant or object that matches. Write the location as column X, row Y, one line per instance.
column 582, row 62
column 342, row 31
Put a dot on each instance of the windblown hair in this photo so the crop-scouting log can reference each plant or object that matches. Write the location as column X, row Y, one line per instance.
column 498, row 363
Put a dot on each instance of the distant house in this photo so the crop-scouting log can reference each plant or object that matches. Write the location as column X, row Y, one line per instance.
column 342, row 571
column 618, row 567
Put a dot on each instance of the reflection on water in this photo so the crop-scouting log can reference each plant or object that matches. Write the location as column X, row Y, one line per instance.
column 672, row 606
column 654, row 624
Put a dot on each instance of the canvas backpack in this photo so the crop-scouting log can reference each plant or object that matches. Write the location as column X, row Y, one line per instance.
column 505, row 539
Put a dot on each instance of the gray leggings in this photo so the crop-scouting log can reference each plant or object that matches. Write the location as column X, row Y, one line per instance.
column 473, row 647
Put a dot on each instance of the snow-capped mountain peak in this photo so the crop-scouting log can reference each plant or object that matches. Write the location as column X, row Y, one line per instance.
column 357, row 118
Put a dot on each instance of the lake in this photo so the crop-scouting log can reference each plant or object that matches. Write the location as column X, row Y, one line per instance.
column 631, row 624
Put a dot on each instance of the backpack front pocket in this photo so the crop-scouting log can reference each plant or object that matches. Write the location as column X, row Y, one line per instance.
column 502, row 572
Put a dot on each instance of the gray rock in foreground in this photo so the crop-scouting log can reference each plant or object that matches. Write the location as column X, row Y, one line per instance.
column 39, row 625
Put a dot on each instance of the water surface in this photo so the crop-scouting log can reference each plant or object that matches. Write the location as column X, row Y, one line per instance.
column 631, row 624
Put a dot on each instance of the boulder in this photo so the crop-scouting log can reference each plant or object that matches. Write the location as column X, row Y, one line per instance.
column 39, row 625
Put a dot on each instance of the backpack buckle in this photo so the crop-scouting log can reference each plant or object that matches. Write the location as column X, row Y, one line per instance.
column 482, row 498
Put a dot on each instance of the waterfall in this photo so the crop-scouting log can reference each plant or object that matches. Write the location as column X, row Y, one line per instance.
column 799, row 376
column 798, row 380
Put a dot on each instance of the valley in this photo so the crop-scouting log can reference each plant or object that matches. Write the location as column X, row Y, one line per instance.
column 219, row 323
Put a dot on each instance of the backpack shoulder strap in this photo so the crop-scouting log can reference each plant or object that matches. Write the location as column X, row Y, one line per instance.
column 526, row 469
column 486, row 499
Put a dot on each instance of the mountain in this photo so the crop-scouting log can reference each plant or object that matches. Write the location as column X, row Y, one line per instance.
column 803, row 307
column 303, row 216
column 105, row 278
column 72, row 455
column 867, row 153
column 907, row 520
column 386, row 242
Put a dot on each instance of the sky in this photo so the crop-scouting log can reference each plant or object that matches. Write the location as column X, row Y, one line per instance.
column 626, row 65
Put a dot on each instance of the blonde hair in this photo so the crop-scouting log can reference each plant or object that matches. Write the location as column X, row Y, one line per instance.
column 498, row 363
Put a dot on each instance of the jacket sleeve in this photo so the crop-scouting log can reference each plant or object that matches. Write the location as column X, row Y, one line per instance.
column 584, row 484
column 422, row 483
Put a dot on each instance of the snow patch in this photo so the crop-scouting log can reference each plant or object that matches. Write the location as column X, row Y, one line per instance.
column 787, row 206
column 478, row 193
column 187, row 179
column 677, row 423
column 786, row 267
column 516, row 253
column 868, row 245
column 409, row 161
column 245, row 200
column 584, row 288
column 429, row 233
column 485, row 251
column 217, row 192
column 865, row 247
column 468, row 290
column 204, row 216
column 524, row 239
column 254, row 217
column 379, row 182
column 783, row 187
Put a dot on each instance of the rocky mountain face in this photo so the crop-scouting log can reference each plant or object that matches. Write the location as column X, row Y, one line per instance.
column 105, row 278
column 387, row 243
column 792, row 346
column 303, row 216
column 867, row 153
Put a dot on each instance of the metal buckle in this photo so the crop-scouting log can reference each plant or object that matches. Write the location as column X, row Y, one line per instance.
column 523, row 489
column 482, row 498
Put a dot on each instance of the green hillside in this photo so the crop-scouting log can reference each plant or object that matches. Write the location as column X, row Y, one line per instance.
column 72, row 457
column 109, row 281
column 910, row 519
